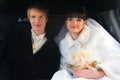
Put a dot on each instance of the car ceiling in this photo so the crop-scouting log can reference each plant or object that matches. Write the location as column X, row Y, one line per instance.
column 58, row 6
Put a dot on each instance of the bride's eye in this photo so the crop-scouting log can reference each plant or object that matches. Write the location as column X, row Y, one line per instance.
column 69, row 19
column 79, row 19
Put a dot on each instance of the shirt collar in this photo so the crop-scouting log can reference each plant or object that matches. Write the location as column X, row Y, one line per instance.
column 41, row 36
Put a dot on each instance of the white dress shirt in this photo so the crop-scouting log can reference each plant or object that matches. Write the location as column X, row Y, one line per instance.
column 37, row 41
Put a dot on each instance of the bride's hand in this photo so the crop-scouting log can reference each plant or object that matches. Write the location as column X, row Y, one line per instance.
column 89, row 72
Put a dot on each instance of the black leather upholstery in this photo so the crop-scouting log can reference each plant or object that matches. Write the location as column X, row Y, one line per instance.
column 110, row 20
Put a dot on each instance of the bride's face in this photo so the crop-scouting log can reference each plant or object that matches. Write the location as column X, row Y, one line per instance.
column 75, row 24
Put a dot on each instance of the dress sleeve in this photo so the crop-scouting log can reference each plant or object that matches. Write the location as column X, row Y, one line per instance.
column 110, row 50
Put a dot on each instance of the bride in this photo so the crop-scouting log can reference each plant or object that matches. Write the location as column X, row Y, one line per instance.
column 88, row 51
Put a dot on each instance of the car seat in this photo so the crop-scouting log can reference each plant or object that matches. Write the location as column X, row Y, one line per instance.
column 110, row 20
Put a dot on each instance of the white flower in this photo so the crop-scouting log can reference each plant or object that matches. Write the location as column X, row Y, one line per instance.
column 80, row 59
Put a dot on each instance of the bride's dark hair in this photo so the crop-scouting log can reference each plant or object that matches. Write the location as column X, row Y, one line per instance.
column 78, row 11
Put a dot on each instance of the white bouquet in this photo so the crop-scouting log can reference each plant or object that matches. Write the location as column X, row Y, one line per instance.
column 80, row 59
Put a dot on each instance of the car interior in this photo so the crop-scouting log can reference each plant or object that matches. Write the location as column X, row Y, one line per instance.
column 106, row 12
column 13, row 14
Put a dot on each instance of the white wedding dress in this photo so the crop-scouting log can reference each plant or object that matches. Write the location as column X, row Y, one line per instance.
column 100, row 45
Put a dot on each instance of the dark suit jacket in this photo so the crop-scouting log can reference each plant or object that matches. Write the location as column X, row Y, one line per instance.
column 22, row 64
